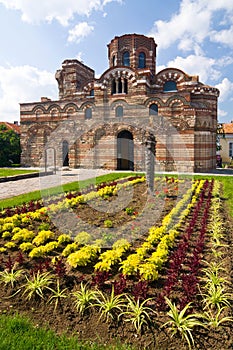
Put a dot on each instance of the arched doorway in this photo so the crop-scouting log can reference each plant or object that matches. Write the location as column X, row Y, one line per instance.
column 125, row 151
column 65, row 153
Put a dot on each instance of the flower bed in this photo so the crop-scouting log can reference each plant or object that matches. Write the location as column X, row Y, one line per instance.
column 125, row 262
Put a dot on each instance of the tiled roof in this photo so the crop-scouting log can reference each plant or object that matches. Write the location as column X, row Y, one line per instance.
column 11, row 126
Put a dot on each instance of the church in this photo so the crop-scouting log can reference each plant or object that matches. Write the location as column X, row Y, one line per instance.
column 107, row 122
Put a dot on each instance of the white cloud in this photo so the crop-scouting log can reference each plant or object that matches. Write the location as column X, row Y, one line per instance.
column 224, row 61
column 226, row 88
column 193, row 24
column 60, row 10
column 221, row 113
column 224, row 36
column 23, row 84
column 190, row 25
column 196, row 65
column 79, row 56
column 79, row 32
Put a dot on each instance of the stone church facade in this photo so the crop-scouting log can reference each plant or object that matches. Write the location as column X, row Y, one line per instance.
column 106, row 122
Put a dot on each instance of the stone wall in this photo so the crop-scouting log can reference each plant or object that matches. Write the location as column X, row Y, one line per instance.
column 86, row 116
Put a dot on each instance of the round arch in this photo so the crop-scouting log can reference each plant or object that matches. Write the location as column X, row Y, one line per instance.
column 125, row 150
column 65, row 153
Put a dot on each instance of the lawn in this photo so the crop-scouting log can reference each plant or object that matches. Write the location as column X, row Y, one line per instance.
column 113, row 263
column 45, row 193
column 11, row 172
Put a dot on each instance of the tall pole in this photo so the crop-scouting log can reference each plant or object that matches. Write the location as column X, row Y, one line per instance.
column 150, row 163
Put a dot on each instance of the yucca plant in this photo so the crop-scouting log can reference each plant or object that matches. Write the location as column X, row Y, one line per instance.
column 217, row 253
column 182, row 323
column 216, row 296
column 10, row 277
column 213, row 266
column 137, row 313
column 216, row 319
column 36, row 285
column 57, row 295
column 109, row 305
column 213, row 278
column 84, row 298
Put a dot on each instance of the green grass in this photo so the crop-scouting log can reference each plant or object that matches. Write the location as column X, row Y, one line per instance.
column 36, row 195
column 227, row 194
column 11, row 172
column 18, row 333
column 227, row 182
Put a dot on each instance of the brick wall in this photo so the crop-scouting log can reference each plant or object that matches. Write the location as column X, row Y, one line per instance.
column 185, row 127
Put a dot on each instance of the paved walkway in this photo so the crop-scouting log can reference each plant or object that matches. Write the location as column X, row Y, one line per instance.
column 14, row 188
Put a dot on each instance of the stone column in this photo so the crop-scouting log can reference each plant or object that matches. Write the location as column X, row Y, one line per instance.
column 117, row 86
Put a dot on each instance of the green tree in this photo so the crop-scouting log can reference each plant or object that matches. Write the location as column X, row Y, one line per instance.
column 9, row 147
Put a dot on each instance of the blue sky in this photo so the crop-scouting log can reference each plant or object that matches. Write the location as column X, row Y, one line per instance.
column 37, row 36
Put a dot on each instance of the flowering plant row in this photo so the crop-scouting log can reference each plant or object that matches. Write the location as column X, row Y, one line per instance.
column 42, row 243
column 162, row 237
column 179, row 261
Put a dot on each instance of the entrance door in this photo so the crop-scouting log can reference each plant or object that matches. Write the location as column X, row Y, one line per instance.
column 125, row 151
column 65, row 153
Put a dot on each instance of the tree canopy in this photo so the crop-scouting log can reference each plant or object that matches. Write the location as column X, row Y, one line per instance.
column 9, row 147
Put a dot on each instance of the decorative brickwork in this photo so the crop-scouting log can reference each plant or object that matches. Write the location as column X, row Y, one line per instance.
column 107, row 121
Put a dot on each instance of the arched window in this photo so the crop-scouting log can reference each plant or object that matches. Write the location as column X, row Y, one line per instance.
column 114, row 61
column 92, row 92
column 125, row 151
column 113, row 90
column 65, row 153
column 119, row 111
column 70, row 111
column 126, row 59
column 141, row 60
column 54, row 113
column 119, row 86
column 38, row 113
column 153, row 109
column 88, row 113
column 170, row 86
column 125, row 86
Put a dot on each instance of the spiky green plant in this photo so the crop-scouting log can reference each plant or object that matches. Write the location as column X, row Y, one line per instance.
column 215, row 319
column 213, row 266
column 57, row 295
column 109, row 305
column 36, row 285
column 215, row 296
column 10, row 277
column 84, row 298
column 182, row 323
column 213, row 278
column 137, row 313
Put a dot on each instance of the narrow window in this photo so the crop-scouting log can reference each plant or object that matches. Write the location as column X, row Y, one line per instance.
column 141, row 60
column 92, row 92
column 126, row 59
column 88, row 113
column 65, row 153
column 119, row 86
column 231, row 149
column 153, row 109
column 113, row 86
column 119, row 111
column 125, row 86
column 114, row 61
column 170, row 86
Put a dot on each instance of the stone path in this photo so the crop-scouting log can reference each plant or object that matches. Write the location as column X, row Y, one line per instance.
column 15, row 188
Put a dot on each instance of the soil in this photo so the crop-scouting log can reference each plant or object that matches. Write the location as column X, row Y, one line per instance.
column 147, row 211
